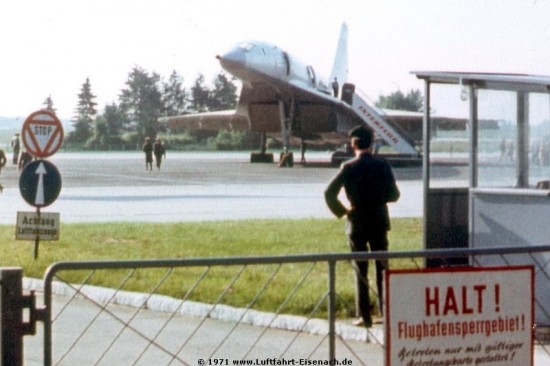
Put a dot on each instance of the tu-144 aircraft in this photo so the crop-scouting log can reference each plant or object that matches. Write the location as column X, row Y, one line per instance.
column 282, row 96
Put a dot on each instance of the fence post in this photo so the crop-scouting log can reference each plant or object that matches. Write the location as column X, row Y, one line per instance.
column 11, row 316
column 12, row 326
column 332, row 309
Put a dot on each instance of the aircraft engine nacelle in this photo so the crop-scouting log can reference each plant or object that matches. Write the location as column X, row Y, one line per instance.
column 317, row 118
column 264, row 117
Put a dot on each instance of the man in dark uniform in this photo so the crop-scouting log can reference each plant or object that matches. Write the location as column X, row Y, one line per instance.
column 369, row 185
column 335, row 87
column 25, row 158
column 159, row 151
column 148, row 150
column 16, row 146
column 3, row 161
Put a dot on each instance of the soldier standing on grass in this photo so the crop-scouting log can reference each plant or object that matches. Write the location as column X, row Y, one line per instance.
column 369, row 185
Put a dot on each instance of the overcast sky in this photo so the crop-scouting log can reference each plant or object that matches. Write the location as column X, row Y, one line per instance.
column 50, row 47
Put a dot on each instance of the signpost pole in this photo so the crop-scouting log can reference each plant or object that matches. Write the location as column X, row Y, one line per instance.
column 37, row 240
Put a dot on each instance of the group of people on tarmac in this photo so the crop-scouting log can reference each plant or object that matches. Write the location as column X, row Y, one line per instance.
column 539, row 152
column 157, row 149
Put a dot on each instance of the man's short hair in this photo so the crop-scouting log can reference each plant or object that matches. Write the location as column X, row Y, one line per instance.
column 364, row 136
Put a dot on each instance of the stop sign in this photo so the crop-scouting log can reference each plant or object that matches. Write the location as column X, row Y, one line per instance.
column 42, row 133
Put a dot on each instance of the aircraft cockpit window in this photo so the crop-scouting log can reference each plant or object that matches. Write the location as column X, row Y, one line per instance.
column 247, row 47
column 287, row 63
column 311, row 74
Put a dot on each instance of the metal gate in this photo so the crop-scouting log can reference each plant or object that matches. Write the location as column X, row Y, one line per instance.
column 196, row 311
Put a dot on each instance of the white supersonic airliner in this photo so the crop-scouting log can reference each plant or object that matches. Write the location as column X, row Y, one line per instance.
column 283, row 97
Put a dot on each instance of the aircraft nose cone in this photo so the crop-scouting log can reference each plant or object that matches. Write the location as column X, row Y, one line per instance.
column 233, row 61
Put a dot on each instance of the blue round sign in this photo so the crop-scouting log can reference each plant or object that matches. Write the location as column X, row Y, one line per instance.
column 40, row 183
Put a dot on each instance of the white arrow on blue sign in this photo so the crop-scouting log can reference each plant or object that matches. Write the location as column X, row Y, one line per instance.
column 40, row 183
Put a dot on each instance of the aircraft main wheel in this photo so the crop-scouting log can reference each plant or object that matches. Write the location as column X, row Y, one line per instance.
column 261, row 158
column 286, row 160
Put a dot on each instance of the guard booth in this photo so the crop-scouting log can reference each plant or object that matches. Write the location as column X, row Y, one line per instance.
column 487, row 166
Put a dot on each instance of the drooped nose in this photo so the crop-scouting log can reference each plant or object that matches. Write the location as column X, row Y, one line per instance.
column 233, row 61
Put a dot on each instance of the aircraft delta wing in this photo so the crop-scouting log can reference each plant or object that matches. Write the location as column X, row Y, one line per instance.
column 220, row 120
column 283, row 96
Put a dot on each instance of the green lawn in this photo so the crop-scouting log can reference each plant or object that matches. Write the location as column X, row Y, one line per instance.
column 131, row 241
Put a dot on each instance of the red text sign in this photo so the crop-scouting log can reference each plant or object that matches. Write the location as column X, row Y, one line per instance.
column 461, row 316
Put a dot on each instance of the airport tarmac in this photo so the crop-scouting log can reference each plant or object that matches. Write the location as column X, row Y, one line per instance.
column 115, row 187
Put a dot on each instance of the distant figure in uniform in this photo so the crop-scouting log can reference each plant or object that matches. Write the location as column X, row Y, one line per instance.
column 148, row 150
column 503, row 149
column 159, row 151
column 510, row 151
column 3, row 161
column 335, row 87
column 24, row 159
column 369, row 185
column 303, row 148
column 16, row 146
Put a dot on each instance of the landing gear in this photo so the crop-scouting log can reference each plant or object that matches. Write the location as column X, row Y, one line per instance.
column 286, row 160
column 262, row 156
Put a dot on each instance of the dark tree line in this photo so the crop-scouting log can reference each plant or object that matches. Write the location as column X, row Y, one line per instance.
column 145, row 97
column 412, row 102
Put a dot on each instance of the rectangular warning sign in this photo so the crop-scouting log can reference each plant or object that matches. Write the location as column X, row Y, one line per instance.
column 33, row 225
column 464, row 316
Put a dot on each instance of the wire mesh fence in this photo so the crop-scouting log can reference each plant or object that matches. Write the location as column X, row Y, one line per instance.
column 251, row 310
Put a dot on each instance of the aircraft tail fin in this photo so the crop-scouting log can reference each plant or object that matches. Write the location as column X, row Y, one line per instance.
column 340, row 65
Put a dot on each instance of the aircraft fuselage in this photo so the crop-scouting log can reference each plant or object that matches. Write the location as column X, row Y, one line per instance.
column 281, row 95
column 257, row 62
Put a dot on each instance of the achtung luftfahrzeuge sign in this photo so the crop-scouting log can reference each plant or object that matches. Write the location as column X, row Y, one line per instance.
column 44, row 225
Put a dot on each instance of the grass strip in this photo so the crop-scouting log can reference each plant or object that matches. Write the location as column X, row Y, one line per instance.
column 134, row 241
